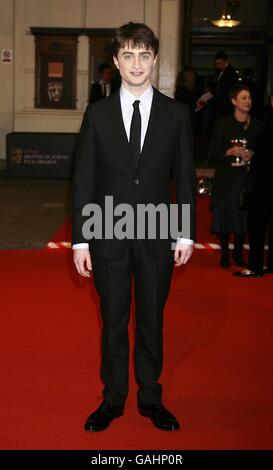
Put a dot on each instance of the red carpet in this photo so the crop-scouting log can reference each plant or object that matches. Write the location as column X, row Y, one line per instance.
column 218, row 359
column 217, row 376
column 63, row 234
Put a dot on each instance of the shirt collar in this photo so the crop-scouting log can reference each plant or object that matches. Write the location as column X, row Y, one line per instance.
column 127, row 99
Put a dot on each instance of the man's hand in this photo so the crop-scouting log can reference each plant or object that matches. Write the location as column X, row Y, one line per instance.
column 82, row 261
column 182, row 253
column 238, row 151
column 248, row 155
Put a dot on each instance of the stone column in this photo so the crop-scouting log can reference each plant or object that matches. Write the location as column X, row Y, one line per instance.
column 170, row 45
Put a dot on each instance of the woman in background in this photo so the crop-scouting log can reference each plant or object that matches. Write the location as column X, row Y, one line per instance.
column 225, row 148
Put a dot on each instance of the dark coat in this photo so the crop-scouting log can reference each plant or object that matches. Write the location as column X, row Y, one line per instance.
column 222, row 103
column 261, row 200
column 225, row 130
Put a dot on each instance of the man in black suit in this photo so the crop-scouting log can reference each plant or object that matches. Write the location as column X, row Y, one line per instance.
column 225, row 79
column 131, row 147
column 105, row 87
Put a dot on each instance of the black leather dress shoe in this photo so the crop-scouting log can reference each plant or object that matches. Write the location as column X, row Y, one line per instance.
column 247, row 273
column 102, row 417
column 160, row 417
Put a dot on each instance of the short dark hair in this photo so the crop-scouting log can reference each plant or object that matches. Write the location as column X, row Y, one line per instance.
column 237, row 89
column 137, row 34
column 221, row 55
column 103, row 67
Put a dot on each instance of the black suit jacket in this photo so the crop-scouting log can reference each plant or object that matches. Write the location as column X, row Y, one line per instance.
column 227, row 81
column 104, row 166
column 96, row 92
column 261, row 200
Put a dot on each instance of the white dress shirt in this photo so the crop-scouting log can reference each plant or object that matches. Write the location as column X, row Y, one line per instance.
column 105, row 88
column 126, row 100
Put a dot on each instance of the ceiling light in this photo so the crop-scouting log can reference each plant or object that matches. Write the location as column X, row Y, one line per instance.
column 226, row 21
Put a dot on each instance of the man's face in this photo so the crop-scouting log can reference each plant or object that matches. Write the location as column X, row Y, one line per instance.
column 220, row 64
column 107, row 75
column 135, row 65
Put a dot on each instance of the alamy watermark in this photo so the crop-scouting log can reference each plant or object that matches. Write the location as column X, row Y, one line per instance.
column 146, row 220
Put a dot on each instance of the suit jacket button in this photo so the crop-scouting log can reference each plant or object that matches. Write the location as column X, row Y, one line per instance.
column 136, row 181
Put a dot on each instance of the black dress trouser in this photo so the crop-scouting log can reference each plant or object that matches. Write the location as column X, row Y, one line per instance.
column 258, row 224
column 113, row 281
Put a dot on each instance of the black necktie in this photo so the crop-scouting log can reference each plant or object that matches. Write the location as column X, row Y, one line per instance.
column 135, row 133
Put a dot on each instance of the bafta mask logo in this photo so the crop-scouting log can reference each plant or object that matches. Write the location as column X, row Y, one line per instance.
column 16, row 155
column 55, row 91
